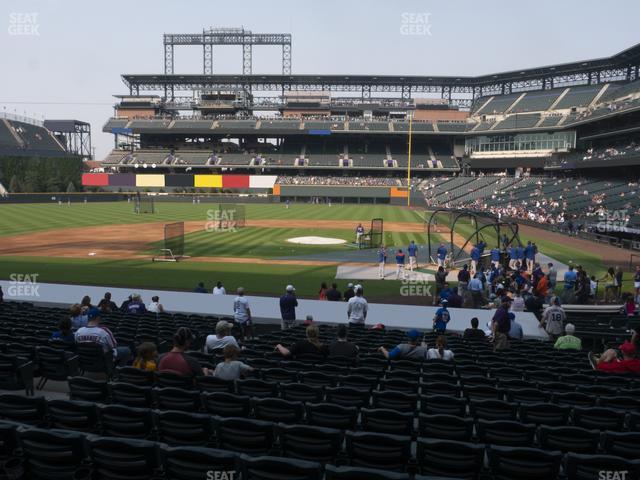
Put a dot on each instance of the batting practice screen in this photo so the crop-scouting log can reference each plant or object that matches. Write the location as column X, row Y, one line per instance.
column 174, row 238
column 144, row 204
column 377, row 232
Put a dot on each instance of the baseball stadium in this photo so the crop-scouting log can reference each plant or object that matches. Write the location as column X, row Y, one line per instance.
column 324, row 276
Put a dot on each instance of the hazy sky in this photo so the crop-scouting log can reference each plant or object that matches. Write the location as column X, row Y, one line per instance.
column 69, row 63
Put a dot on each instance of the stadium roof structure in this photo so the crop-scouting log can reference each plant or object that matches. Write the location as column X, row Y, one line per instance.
column 623, row 66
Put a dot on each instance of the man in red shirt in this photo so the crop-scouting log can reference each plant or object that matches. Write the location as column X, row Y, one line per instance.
column 608, row 361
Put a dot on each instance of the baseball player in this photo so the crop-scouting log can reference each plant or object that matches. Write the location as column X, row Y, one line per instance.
column 359, row 234
column 400, row 265
column 382, row 259
column 413, row 251
column 442, row 255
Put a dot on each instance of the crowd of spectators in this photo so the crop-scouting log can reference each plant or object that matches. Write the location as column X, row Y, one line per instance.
column 350, row 181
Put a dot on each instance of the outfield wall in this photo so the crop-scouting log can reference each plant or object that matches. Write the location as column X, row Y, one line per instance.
column 147, row 180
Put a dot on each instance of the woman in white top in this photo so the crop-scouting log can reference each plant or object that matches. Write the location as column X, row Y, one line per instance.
column 440, row 351
column 219, row 289
column 155, row 306
column 517, row 304
column 221, row 339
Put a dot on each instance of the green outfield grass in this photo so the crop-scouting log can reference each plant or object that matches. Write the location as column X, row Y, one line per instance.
column 247, row 242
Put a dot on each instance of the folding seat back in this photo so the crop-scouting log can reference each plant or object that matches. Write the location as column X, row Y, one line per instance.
column 51, row 454
column 257, row 388
column 226, row 404
column 507, row 433
column 493, row 410
column 16, row 373
column 583, row 467
column 446, row 427
column 480, row 392
column 208, row 383
column 441, row 388
column 383, row 420
column 182, row 428
column 574, row 399
column 400, row 385
column 195, row 463
column 507, row 463
column 54, row 364
column 357, row 473
column 135, row 376
column 269, row 468
column 545, row 414
column 394, row 400
column 620, row 402
column 130, row 395
column 358, row 381
column 126, row 422
column 309, row 442
column 527, row 395
column 443, row 404
column 254, row 437
column 301, row 392
column 29, row 410
column 87, row 389
column 599, row 418
column 448, row 458
column 92, row 358
column 569, row 439
column 318, row 379
column 173, row 380
column 278, row 410
column 331, row 415
column 72, row 415
column 348, row 397
column 279, row 375
column 377, row 450
column 8, row 440
column 124, row 458
column 177, row 399
column 626, row 445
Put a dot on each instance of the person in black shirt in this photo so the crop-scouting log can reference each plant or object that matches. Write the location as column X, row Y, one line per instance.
column 288, row 304
column 342, row 347
column 349, row 292
column 333, row 294
column 106, row 304
column 474, row 333
column 310, row 346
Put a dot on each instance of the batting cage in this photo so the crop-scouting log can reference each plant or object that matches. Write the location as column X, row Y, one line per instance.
column 173, row 248
column 375, row 236
column 143, row 204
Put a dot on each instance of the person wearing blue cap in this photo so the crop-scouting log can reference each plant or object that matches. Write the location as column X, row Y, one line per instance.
column 412, row 349
column 515, row 329
column 441, row 318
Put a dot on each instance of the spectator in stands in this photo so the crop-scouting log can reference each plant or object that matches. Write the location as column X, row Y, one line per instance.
column 357, row 308
column 106, row 305
column 441, row 318
column 570, row 278
column 474, row 333
column 618, row 282
column 242, row 314
column 146, row 357
column 500, row 325
column 200, row 288
column 454, row 299
column 219, row 289
column 333, row 294
column 322, row 293
column 629, row 306
column 155, row 306
column 85, row 304
column 1, row 295
column 221, row 338
column 125, row 304
column 136, row 305
column 176, row 361
column 515, row 329
column 231, row 368
column 288, row 304
column 95, row 333
column 78, row 317
column 610, row 287
column 552, row 275
column 440, row 351
column 412, row 350
column 636, row 281
column 553, row 319
column 64, row 333
column 341, row 347
column 568, row 341
column 463, row 280
column 609, row 361
column 476, row 288
column 310, row 346
column 517, row 304
column 349, row 292
column 441, row 280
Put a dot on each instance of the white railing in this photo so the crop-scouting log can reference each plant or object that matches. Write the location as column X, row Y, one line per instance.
column 20, row 118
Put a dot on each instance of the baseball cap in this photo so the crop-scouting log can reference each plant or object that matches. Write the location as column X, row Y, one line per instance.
column 444, row 300
column 93, row 313
column 413, row 334
column 290, row 288
column 628, row 348
column 378, row 326
column 349, row 285
column 505, row 299
column 358, row 287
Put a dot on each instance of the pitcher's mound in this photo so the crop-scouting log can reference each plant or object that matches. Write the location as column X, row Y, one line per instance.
column 316, row 240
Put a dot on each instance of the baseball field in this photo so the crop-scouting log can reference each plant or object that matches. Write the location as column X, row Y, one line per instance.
column 108, row 244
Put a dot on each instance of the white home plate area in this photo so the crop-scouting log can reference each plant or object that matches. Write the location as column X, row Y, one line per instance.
column 317, row 240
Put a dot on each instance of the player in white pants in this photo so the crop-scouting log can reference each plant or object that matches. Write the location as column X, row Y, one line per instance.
column 382, row 258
